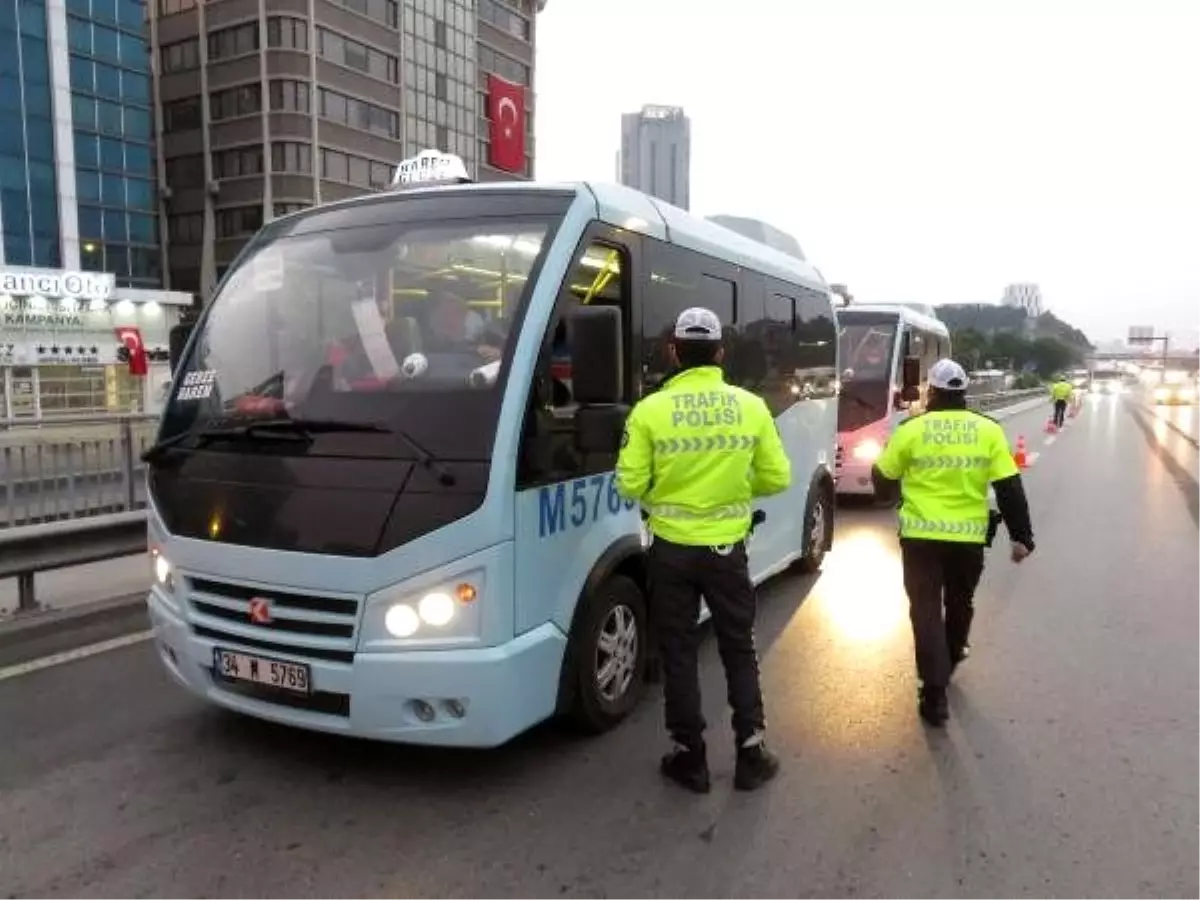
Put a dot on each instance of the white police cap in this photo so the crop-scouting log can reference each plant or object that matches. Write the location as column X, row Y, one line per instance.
column 698, row 324
column 947, row 375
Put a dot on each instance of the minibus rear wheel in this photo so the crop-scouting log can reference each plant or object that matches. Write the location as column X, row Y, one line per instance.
column 608, row 654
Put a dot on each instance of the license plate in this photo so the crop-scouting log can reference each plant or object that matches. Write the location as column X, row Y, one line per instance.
column 286, row 676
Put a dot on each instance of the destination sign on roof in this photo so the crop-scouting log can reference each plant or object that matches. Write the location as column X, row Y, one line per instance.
column 430, row 167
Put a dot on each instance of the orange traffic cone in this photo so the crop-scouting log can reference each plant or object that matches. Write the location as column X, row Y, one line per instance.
column 1020, row 457
column 1051, row 428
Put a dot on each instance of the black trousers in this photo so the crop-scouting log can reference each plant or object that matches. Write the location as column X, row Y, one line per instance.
column 678, row 576
column 1060, row 412
column 940, row 575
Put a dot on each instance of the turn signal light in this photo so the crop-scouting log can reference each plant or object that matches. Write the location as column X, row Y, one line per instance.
column 465, row 592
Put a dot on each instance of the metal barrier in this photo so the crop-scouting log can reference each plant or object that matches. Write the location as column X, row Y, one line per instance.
column 984, row 402
column 31, row 549
column 72, row 467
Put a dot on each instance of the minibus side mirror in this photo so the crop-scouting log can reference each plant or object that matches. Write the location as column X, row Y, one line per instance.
column 177, row 341
column 594, row 334
column 910, row 390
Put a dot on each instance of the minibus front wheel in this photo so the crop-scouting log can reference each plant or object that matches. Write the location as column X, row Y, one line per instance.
column 607, row 654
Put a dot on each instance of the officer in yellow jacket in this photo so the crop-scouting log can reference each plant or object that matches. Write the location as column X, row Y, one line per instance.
column 694, row 454
column 1062, row 391
column 943, row 461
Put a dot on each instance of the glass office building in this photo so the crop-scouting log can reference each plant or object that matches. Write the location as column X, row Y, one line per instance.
column 77, row 185
column 78, row 207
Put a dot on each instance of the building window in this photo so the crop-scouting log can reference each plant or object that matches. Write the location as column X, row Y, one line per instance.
column 182, row 115
column 503, row 17
column 505, row 66
column 350, row 53
column 238, row 162
column 236, row 41
column 291, row 157
column 287, row 33
column 289, row 96
column 172, row 7
column 385, row 11
column 232, row 102
column 185, row 171
column 359, row 114
column 186, row 229
column 180, row 56
column 238, row 220
column 356, row 170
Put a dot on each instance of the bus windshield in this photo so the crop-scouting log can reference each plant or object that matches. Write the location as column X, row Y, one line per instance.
column 400, row 326
column 866, row 346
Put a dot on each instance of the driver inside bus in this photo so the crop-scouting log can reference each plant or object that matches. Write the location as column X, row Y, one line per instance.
column 455, row 328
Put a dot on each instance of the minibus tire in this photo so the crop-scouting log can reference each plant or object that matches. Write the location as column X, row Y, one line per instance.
column 590, row 711
column 814, row 555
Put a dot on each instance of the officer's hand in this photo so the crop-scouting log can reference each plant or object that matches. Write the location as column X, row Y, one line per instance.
column 1019, row 552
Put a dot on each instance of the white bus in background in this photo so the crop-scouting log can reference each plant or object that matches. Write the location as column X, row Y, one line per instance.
column 884, row 353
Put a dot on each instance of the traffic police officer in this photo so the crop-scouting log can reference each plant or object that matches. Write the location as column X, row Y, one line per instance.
column 694, row 454
column 943, row 460
column 1061, row 391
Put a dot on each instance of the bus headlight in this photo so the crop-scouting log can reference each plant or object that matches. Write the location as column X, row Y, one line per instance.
column 402, row 621
column 867, row 450
column 446, row 612
column 163, row 571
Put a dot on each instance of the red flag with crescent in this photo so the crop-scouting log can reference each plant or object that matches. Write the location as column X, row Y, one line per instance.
column 131, row 338
column 506, row 109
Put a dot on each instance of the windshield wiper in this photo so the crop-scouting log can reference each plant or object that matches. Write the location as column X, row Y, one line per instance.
column 270, row 429
column 444, row 476
column 300, row 430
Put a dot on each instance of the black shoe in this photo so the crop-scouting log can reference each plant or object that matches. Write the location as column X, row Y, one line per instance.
column 756, row 765
column 934, row 707
column 688, row 767
column 958, row 657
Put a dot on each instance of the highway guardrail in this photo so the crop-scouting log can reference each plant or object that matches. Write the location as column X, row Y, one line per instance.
column 72, row 467
column 985, row 402
column 30, row 549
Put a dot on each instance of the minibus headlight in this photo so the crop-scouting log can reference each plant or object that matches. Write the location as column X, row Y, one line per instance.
column 162, row 570
column 446, row 611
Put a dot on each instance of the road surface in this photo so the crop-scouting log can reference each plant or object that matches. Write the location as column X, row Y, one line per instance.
column 1069, row 767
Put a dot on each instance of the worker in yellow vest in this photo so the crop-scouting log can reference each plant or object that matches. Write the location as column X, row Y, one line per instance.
column 942, row 462
column 696, row 497
column 1062, row 391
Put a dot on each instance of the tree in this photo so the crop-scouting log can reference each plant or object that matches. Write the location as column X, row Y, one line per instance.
column 1049, row 356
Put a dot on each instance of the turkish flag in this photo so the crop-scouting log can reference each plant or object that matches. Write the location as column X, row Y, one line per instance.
column 506, row 109
column 131, row 338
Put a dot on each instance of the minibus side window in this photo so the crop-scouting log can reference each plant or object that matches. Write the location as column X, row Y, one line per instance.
column 600, row 276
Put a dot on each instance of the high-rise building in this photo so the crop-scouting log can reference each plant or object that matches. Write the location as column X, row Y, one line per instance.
column 656, row 153
column 310, row 101
column 1025, row 296
column 80, row 256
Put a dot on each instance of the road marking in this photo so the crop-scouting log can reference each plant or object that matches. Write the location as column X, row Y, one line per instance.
column 1050, row 439
column 67, row 656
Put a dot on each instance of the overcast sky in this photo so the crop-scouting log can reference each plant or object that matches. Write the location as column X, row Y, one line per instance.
column 934, row 152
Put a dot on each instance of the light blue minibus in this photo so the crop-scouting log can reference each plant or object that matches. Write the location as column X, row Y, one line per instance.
column 381, row 499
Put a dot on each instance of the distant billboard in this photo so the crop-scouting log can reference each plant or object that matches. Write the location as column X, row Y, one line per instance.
column 1140, row 335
